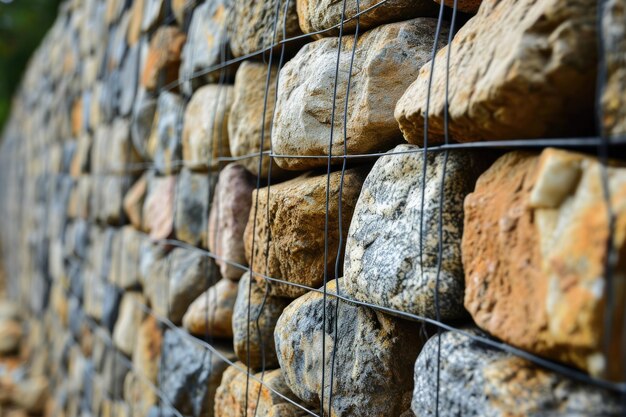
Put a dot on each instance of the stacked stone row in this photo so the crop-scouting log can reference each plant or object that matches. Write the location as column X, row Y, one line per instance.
column 207, row 214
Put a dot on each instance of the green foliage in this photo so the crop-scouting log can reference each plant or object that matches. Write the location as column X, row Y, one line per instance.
column 23, row 23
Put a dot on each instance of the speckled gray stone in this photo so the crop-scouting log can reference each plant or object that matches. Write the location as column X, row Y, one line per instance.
column 479, row 381
column 374, row 355
column 192, row 206
column 165, row 142
column 383, row 263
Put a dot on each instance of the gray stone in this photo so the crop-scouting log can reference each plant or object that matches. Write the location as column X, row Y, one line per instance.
column 130, row 79
column 211, row 314
column 165, row 143
column 128, row 321
column 142, row 120
column 389, row 214
column 614, row 92
column 476, row 380
column 193, row 193
column 374, row 354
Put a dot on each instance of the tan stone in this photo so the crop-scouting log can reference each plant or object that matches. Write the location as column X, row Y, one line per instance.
column 466, row 6
column 534, row 250
column 134, row 27
column 130, row 317
column 147, row 351
column 211, row 314
column 10, row 336
column 134, row 200
column 163, row 60
column 614, row 94
column 158, row 208
column 540, row 85
column 290, row 243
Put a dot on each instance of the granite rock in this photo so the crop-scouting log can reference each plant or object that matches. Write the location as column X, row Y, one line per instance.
column 163, row 60
column 164, row 143
column 211, row 314
column 192, row 206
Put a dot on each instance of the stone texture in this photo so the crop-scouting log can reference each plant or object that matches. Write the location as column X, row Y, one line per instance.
column 134, row 200
column 479, row 381
column 541, row 86
column 613, row 97
column 205, row 133
column 163, row 60
column 211, row 314
column 128, row 322
column 316, row 15
column 164, row 143
column 147, row 351
column 230, row 398
column 182, row 10
column 295, row 229
column 385, row 62
column 190, row 375
column 465, row 6
column 193, row 193
column 229, row 215
column 10, row 336
column 389, row 213
column 373, row 353
column 535, row 260
column 126, row 254
column 158, row 208
column 142, row 120
column 265, row 310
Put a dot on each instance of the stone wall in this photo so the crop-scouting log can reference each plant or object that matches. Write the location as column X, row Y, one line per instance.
column 226, row 209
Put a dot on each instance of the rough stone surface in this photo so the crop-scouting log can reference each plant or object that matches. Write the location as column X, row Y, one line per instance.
column 158, row 208
column 211, row 314
column 540, row 86
column 230, row 398
column 205, row 132
column 163, row 60
column 374, row 354
column 229, row 215
column 386, row 61
column 264, row 313
column 535, row 260
column 10, row 336
column 614, row 94
column 478, row 381
column 466, row 6
column 142, row 121
column 316, row 15
column 147, row 352
column 164, row 143
column 192, row 206
column 295, row 229
column 134, row 199
column 128, row 322
column 389, row 213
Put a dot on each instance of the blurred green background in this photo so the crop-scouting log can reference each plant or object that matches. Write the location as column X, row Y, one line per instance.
column 23, row 23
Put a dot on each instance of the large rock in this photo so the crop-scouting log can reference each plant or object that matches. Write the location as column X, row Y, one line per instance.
column 211, row 314
column 205, row 133
column 163, row 60
column 289, row 245
column 542, row 85
column 192, row 206
column 475, row 380
column 164, row 143
column 265, row 309
column 126, row 255
column 534, row 253
column 263, row 400
column 190, row 374
column 128, row 321
column 229, row 215
column 614, row 94
column 253, row 25
column 374, row 354
column 316, row 15
column 466, row 6
column 158, row 207
column 386, row 60
column 389, row 213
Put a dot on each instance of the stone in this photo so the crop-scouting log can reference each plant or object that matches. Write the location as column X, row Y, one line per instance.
column 31, row 394
column 164, row 143
column 128, row 322
column 230, row 210
column 136, row 16
column 190, row 374
column 107, row 198
column 211, row 314
column 158, row 208
column 613, row 101
column 182, row 10
column 534, row 260
column 289, row 244
column 476, row 380
column 318, row 15
column 163, row 60
column 10, row 336
column 110, row 305
column 134, row 201
column 465, row 6
column 177, row 280
column 373, row 354
column 205, row 133
column 207, row 41
column 80, row 160
column 112, row 151
column 142, row 121
column 265, row 309
column 147, row 349
column 254, row 25
column 9, row 310
column 249, row 100
column 263, row 400
column 126, row 258
column 152, row 14
column 386, row 60
column 129, row 79
column 541, row 86
column 150, row 253
column 114, row 372
column 193, row 194
column 389, row 213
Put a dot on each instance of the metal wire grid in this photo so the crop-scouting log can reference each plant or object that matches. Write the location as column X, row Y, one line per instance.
column 603, row 143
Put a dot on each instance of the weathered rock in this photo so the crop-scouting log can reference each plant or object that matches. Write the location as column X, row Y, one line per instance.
column 182, row 10
column 264, row 313
column 613, row 97
column 126, row 255
column 107, row 198
column 114, row 372
column 31, row 394
column 112, row 151
column 211, row 314
column 129, row 319
column 163, row 60
column 136, row 16
column 254, row 25
column 229, row 215
column 316, row 15
column 9, row 310
column 230, row 398
column 190, row 374
column 151, row 253
column 466, row 6
column 158, row 208
column 164, row 143
column 535, row 259
column 193, row 193
column 248, row 104
column 142, row 121
column 129, row 79
column 10, row 336
column 385, row 61
column 134, row 200
column 147, row 352
column 177, row 280
column 110, row 305
column 207, row 42
column 290, row 243
column 389, row 213
column 152, row 14
column 373, row 356
column 540, row 86
column 475, row 380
